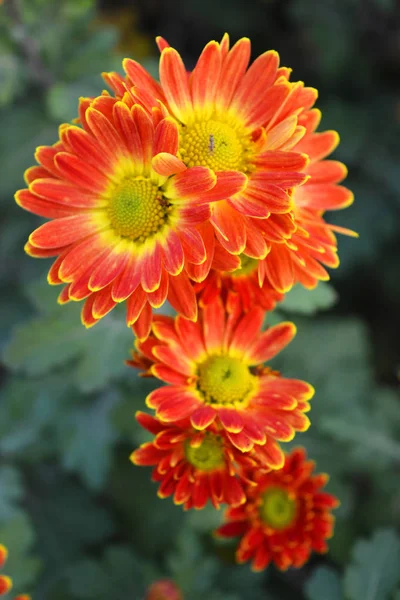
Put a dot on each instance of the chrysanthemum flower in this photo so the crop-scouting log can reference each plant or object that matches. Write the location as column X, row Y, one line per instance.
column 313, row 245
column 233, row 118
column 287, row 516
column 164, row 589
column 195, row 466
column 256, row 122
column 215, row 374
column 125, row 211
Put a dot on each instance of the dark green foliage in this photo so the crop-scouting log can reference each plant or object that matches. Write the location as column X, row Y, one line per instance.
column 79, row 519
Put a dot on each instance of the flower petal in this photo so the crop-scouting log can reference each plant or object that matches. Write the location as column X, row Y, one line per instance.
column 271, row 342
column 167, row 164
column 174, row 82
column 203, row 417
column 65, row 231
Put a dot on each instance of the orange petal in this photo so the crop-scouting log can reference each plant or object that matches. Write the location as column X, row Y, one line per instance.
column 205, row 79
column 42, row 207
column 191, row 182
column 174, row 81
column 62, row 232
column 182, row 297
column 271, row 342
column 166, row 137
column 84, row 175
column 233, row 69
column 168, row 164
column 259, row 77
column 214, row 325
column 203, row 417
column 230, row 227
column 279, row 268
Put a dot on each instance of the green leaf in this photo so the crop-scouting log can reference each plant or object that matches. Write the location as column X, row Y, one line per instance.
column 11, row 491
column 118, row 575
column 18, row 536
column 23, row 128
column 324, row 584
column 62, row 98
column 87, row 438
column 10, row 76
column 67, row 519
column 27, row 407
column 368, row 442
column 93, row 55
column 152, row 521
column 375, row 569
column 308, row 302
column 52, row 340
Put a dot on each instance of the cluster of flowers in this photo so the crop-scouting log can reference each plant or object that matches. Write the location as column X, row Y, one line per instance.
column 6, row 582
column 208, row 190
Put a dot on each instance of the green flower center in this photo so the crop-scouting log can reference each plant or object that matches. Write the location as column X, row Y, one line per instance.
column 208, row 456
column 214, row 144
column 278, row 508
column 136, row 209
column 247, row 265
column 225, row 380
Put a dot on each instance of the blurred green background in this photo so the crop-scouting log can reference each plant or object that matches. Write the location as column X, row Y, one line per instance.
column 79, row 520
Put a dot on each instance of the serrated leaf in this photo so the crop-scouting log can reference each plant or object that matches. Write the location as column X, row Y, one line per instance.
column 375, row 568
column 308, row 302
column 324, row 584
column 26, row 408
column 46, row 342
column 87, row 438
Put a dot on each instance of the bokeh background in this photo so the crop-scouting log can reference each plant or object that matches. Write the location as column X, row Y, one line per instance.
column 79, row 520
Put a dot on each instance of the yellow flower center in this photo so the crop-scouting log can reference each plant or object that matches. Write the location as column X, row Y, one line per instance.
column 208, row 456
column 225, row 380
column 136, row 209
column 247, row 265
column 214, row 144
column 278, row 508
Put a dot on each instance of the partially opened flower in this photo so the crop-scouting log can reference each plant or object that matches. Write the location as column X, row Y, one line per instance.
column 287, row 516
column 215, row 374
column 244, row 282
column 233, row 117
column 196, row 466
column 124, row 212
column 164, row 589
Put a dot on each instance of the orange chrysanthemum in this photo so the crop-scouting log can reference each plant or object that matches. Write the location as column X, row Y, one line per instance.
column 313, row 245
column 233, row 118
column 256, row 122
column 285, row 518
column 6, row 583
column 164, row 589
column 125, row 211
column 195, row 466
column 215, row 374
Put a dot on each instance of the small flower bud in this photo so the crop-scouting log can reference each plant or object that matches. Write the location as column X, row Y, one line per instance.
column 164, row 589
